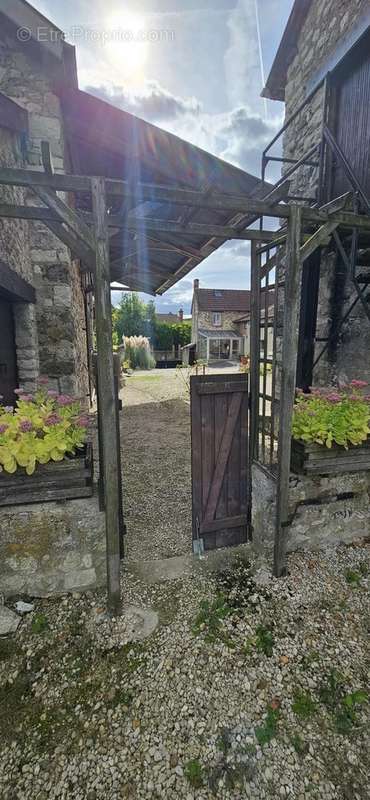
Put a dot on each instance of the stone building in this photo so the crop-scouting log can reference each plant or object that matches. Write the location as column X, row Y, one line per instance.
column 42, row 319
column 219, row 326
column 322, row 72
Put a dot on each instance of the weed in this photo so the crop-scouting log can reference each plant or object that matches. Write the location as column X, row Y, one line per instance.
column 303, row 705
column 267, row 731
column 346, row 715
column 8, row 649
column 265, row 640
column 300, row 746
column 39, row 623
column 343, row 705
column 353, row 578
column 364, row 568
column 332, row 689
column 210, row 617
column 193, row 771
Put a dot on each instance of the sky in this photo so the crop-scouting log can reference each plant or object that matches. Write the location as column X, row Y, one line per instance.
column 194, row 68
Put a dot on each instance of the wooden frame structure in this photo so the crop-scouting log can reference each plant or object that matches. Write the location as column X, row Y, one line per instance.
column 87, row 235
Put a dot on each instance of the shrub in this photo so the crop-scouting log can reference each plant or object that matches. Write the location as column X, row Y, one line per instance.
column 137, row 352
column 332, row 415
column 42, row 427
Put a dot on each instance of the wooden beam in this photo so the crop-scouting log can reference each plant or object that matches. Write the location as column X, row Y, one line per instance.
column 106, row 395
column 319, row 239
column 77, row 247
column 66, row 215
column 166, row 194
column 16, row 287
column 46, row 158
column 198, row 229
column 11, row 211
column 173, row 246
column 153, row 192
column 293, row 279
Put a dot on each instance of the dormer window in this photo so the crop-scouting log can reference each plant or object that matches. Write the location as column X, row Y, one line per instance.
column 217, row 319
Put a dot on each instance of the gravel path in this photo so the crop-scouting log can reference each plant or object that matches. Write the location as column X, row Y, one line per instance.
column 157, row 480
column 249, row 688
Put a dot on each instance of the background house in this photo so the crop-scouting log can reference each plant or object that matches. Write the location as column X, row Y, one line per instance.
column 171, row 318
column 219, row 330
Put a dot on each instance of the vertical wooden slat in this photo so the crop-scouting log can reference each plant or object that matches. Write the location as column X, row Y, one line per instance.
column 255, row 351
column 274, row 367
column 293, row 273
column 196, row 453
column 106, row 388
column 265, row 342
column 220, row 415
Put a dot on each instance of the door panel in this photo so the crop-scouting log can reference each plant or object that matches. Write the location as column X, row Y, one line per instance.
column 219, row 430
column 8, row 362
column 351, row 84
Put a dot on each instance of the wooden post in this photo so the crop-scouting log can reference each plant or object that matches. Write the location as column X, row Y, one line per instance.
column 293, row 275
column 254, row 351
column 106, row 389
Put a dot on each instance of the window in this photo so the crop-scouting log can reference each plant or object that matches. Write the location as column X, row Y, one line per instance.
column 217, row 319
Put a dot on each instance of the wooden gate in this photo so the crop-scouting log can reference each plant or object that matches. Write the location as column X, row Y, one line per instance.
column 219, row 434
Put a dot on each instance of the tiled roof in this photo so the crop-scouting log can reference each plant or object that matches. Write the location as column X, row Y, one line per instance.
column 219, row 333
column 224, row 300
column 170, row 317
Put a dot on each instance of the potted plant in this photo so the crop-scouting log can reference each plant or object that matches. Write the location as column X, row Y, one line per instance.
column 43, row 450
column 331, row 430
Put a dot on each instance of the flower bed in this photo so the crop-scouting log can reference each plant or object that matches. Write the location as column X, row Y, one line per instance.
column 43, row 451
column 331, row 430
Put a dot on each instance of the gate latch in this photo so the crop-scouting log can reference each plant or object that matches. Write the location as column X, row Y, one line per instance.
column 198, row 543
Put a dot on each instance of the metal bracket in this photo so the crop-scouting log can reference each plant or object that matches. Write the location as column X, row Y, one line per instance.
column 198, row 547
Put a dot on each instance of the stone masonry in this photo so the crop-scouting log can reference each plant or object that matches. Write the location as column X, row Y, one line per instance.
column 50, row 337
column 324, row 510
column 51, row 548
column 328, row 24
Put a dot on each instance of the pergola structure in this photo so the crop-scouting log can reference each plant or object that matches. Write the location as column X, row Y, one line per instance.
column 88, row 234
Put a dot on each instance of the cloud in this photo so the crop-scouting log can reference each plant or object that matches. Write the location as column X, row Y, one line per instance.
column 154, row 103
column 238, row 136
column 241, row 58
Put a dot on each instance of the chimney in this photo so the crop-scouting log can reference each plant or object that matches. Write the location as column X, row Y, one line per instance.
column 181, row 314
column 196, row 283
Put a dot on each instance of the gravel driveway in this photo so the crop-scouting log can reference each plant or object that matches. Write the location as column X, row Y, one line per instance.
column 155, row 435
column 249, row 687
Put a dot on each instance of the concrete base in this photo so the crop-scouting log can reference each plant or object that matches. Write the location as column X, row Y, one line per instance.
column 323, row 510
column 51, row 548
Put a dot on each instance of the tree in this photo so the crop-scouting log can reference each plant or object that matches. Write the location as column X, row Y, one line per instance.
column 182, row 333
column 130, row 318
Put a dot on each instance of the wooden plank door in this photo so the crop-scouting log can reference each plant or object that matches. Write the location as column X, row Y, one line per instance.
column 8, row 360
column 219, row 435
column 351, row 116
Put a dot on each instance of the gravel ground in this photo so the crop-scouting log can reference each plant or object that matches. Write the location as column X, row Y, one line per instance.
column 155, row 435
column 248, row 688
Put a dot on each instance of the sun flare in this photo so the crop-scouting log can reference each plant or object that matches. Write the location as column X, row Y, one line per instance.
column 127, row 48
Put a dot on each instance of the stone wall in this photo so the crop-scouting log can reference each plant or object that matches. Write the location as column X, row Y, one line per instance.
column 328, row 25
column 50, row 548
column 324, row 511
column 59, row 308
column 205, row 321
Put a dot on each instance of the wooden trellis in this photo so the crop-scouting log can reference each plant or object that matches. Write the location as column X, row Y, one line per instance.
column 87, row 235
